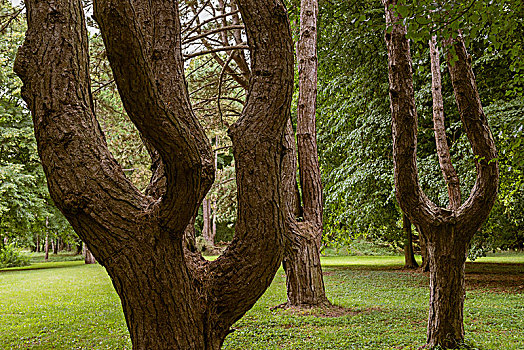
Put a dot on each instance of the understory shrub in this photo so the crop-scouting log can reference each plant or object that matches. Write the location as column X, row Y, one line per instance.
column 10, row 256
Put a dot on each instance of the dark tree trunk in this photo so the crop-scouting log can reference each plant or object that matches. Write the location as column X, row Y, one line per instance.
column 409, row 255
column 37, row 248
column 305, row 284
column 55, row 245
column 446, row 302
column 447, row 231
column 79, row 247
column 171, row 300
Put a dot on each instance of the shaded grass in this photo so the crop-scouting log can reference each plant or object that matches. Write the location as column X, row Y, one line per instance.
column 73, row 306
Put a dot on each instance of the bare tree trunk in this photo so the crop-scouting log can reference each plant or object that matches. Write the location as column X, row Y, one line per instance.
column 46, row 247
column 88, row 256
column 305, row 284
column 447, row 231
column 171, row 300
column 409, row 255
column 37, row 243
column 446, row 302
column 206, row 216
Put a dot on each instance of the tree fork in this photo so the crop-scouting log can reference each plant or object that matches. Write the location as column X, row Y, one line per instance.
column 447, row 231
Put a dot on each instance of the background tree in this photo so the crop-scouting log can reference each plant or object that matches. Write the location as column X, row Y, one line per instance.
column 138, row 238
column 447, row 231
column 305, row 284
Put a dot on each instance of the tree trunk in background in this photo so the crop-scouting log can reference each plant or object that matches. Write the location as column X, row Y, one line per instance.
column 37, row 243
column 409, row 255
column 206, row 216
column 423, row 252
column 447, row 231
column 79, row 248
column 88, row 256
column 170, row 299
column 46, row 246
column 305, row 284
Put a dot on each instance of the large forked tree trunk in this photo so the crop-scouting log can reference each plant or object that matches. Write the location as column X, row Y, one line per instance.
column 305, row 284
column 171, row 299
column 447, row 230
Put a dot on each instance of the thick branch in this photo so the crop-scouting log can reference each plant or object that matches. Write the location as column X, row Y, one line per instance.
column 477, row 207
column 84, row 180
column 143, row 42
column 257, row 146
column 410, row 196
column 444, row 157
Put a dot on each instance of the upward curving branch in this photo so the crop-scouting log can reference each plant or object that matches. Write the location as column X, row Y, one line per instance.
column 257, row 137
column 144, row 43
column 450, row 175
column 477, row 207
column 84, row 180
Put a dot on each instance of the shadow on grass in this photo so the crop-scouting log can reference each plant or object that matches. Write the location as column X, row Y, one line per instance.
column 496, row 277
column 44, row 265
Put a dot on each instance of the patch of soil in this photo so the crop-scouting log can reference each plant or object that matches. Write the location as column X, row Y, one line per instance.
column 328, row 311
column 501, row 278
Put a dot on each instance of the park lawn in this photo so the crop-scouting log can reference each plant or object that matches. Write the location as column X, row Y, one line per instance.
column 69, row 305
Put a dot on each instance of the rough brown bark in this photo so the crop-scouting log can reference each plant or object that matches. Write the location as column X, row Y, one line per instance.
column 305, row 284
column 447, row 230
column 409, row 256
column 170, row 299
column 444, row 157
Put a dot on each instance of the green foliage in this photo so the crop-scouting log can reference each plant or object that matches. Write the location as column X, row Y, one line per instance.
column 353, row 123
column 496, row 25
column 12, row 257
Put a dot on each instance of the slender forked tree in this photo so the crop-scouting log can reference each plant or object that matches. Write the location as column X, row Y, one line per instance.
column 447, row 231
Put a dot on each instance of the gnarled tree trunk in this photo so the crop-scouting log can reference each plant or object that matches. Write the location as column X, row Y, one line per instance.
column 447, row 230
column 172, row 299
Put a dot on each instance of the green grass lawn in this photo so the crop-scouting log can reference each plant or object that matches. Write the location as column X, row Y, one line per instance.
column 69, row 305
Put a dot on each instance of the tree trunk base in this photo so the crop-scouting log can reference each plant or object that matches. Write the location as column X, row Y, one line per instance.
column 305, row 283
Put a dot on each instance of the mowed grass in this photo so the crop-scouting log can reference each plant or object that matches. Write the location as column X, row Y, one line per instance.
column 70, row 305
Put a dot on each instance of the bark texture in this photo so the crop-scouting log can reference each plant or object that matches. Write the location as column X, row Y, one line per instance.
column 447, row 230
column 444, row 157
column 305, row 284
column 171, row 298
